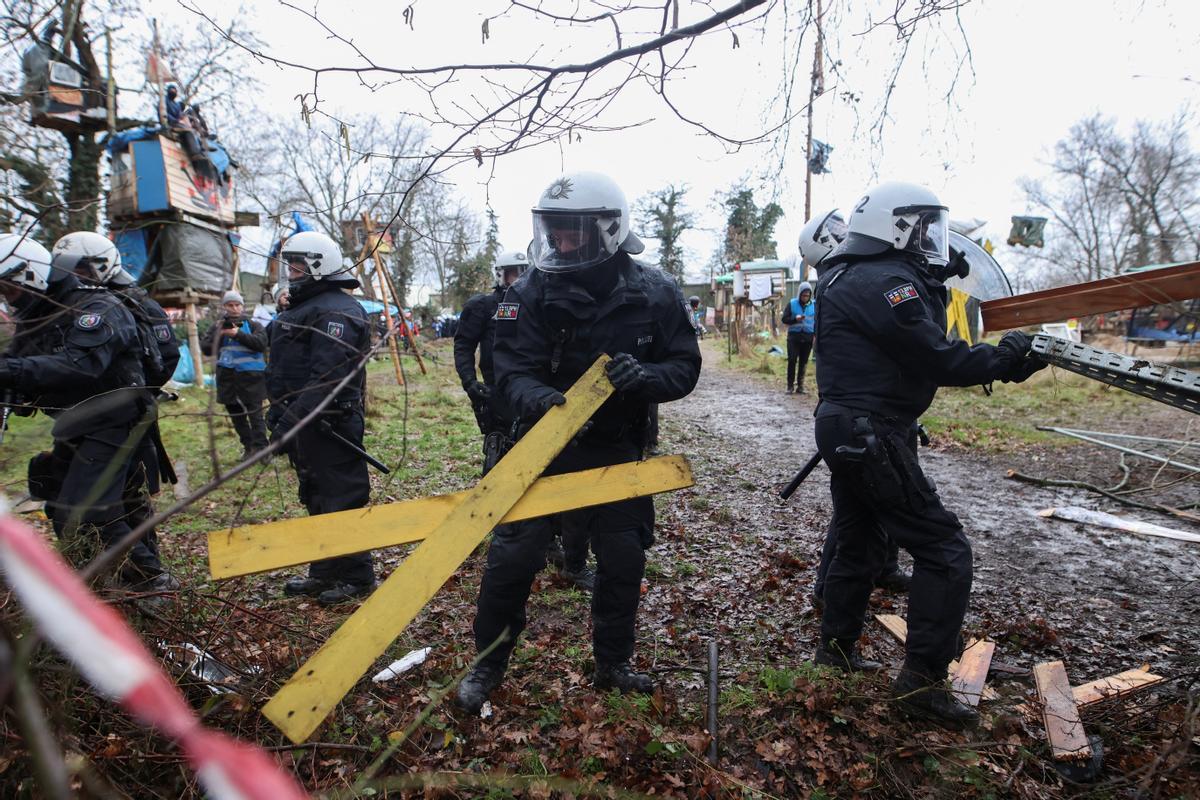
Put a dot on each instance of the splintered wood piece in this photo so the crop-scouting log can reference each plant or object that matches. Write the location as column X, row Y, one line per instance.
column 273, row 545
column 1119, row 685
column 968, row 680
column 1060, row 715
column 310, row 694
column 895, row 625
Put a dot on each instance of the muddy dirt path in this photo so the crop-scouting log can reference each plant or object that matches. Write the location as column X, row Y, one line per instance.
column 1104, row 601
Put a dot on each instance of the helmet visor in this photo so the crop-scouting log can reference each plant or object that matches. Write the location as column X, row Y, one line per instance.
column 931, row 231
column 571, row 241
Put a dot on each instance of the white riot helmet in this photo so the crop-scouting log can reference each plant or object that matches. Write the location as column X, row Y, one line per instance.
column 24, row 262
column 509, row 260
column 90, row 256
column 321, row 256
column 820, row 235
column 899, row 216
column 581, row 220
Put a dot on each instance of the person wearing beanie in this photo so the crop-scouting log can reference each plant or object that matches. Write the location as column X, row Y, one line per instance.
column 238, row 343
column 799, row 316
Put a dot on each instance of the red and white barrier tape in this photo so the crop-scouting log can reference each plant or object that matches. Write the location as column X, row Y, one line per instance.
column 113, row 659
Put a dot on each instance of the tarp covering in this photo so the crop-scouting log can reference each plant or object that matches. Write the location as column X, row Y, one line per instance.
column 134, row 253
column 191, row 257
column 119, row 141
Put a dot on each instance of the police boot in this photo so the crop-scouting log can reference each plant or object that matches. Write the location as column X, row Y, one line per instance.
column 584, row 578
column 344, row 593
column 162, row 582
column 623, row 678
column 554, row 554
column 479, row 684
column 306, row 587
column 789, row 389
column 918, row 696
column 800, row 388
column 843, row 654
column 896, row 582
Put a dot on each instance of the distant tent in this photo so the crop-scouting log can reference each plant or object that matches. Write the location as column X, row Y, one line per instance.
column 1027, row 231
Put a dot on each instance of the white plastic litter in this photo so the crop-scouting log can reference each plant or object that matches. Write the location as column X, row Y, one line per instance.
column 397, row 668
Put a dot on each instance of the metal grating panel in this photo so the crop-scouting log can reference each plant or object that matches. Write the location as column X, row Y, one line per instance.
column 1170, row 385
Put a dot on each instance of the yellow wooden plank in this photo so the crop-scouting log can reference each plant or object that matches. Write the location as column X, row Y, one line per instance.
column 1064, row 729
column 272, row 545
column 309, row 695
column 967, row 682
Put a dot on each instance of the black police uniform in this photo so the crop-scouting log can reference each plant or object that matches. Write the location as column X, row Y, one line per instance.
column 477, row 331
column 882, row 352
column 321, row 338
column 549, row 331
column 160, row 356
column 76, row 357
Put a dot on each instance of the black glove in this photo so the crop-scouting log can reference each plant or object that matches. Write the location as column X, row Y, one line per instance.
column 228, row 323
column 478, row 392
column 1021, row 371
column 1014, row 346
column 552, row 399
column 626, row 373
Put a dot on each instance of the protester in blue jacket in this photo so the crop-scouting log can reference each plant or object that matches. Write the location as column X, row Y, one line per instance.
column 798, row 316
column 239, row 344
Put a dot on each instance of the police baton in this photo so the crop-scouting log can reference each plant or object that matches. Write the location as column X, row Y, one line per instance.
column 328, row 430
column 791, row 488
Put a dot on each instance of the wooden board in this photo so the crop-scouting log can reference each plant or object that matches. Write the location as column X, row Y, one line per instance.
column 310, row 694
column 897, row 626
column 1119, row 685
column 1133, row 290
column 1068, row 741
column 967, row 682
column 258, row 548
column 1105, row 520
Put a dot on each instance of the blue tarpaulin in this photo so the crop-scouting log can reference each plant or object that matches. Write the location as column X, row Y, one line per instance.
column 185, row 373
column 375, row 307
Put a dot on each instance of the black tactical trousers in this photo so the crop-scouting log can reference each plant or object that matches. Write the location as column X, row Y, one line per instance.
column 334, row 478
column 874, row 503
column 91, row 499
column 799, row 348
column 248, row 421
column 619, row 533
column 891, row 562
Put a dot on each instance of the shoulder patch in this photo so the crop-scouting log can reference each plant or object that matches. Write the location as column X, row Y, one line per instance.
column 335, row 329
column 163, row 332
column 901, row 294
column 507, row 310
column 89, row 321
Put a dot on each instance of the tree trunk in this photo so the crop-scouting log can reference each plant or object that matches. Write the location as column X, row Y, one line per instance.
column 83, row 182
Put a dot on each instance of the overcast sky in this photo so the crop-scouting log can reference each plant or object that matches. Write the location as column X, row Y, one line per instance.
column 1035, row 68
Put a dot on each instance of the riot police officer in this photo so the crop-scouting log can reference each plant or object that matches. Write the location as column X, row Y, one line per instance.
column 322, row 338
column 585, row 297
column 95, row 260
column 882, row 353
column 819, row 236
column 477, row 331
column 76, row 357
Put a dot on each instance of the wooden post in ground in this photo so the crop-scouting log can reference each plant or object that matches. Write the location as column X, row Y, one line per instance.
column 383, row 295
column 193, row 337
column 391, row 287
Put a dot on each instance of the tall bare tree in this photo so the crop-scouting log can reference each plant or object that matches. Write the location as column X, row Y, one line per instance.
column 1116, row 201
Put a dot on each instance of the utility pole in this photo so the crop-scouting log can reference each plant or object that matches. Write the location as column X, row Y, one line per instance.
column 816, row 87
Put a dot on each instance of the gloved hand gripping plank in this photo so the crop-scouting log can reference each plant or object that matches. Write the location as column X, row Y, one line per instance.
column 273, row 545
column 308, row 697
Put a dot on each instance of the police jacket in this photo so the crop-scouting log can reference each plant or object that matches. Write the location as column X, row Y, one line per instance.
column 318, row 341
column 154, row 325
column 77, row 345
column 549, row 331
column 881, row 343
column 477, row 329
